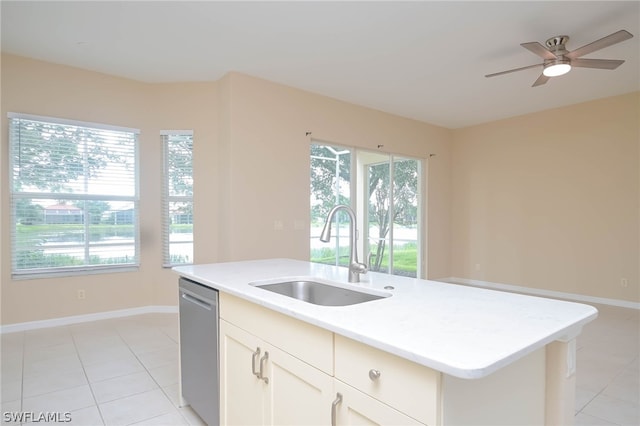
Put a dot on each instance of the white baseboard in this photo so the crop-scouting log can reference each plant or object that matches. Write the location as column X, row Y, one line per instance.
column 75, row 319
column 541, row 292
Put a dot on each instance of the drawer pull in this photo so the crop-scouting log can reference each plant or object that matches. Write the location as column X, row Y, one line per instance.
column 334, row 408
column 374, row 374
column 254, row 362
column 262, row 361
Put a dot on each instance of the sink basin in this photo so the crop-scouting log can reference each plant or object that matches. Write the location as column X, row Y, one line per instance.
column 319, row 293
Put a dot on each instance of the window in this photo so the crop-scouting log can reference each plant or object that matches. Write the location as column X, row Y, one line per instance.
column 330, row 185
column 391, row 188
column 177, row 197
column 74, row 196
column 384, row 190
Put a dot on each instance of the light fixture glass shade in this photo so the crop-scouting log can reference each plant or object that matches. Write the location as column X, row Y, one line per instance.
column 556, row 68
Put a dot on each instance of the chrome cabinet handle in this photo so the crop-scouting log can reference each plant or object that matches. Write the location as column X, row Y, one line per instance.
column 374, row 374
column 254, row 362
column 334, row 408
column 262, row 361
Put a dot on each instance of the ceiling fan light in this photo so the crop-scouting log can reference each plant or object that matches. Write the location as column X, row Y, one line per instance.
column 556, row 68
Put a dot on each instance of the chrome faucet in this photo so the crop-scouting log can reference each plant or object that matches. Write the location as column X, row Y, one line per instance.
column 355, row 268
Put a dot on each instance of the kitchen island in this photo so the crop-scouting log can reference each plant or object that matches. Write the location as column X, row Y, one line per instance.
column 430, row 352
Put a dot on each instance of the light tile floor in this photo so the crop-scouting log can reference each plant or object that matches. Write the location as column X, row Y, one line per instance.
column 112, row 372
column 125, row 371
column 608, row 369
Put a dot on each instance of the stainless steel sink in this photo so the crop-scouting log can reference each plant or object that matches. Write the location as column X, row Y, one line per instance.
column 320, row 293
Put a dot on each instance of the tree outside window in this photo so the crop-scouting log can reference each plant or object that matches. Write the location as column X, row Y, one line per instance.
column 388, row 197
column 69, row 181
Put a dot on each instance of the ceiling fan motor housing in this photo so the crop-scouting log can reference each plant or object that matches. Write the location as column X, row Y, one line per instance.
column 557, row 44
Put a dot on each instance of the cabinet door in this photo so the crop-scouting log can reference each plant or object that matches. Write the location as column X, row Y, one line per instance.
column 299, row 394
column 357, row 408
column 242, row 400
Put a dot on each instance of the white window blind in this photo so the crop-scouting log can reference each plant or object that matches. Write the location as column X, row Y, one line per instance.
column 177, row 202
column 74, row 196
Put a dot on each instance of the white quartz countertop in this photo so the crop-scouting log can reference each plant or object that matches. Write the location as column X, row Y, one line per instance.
column 462, row 331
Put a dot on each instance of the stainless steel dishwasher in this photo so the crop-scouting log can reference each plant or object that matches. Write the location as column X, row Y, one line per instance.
column 199, row 349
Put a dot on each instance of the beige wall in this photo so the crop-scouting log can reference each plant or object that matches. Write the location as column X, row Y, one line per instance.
column 548, row 200
column 268, row 166
column 179, row 106
column 46, row 89
column 251, row 167
column 551, row 200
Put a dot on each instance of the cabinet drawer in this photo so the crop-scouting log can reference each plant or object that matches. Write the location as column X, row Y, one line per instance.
column 409, row 387
column 358, row 408
column 302, row 340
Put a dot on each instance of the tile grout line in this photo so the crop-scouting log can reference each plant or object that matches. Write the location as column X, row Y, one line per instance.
column 151, row 375
column 73, row 339
column 590, row 401
column 611, row 323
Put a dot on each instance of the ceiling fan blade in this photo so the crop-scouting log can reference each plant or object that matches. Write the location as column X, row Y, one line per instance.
column 540, row 81
column 607, row 41
column 603, row 64
column 539, row 50
column 513, row 70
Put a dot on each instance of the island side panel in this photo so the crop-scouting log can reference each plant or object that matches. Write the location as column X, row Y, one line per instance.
column 514, row 395
column 561, row 383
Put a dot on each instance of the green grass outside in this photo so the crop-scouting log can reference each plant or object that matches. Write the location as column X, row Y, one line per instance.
column 96, row 231
column 181, row 228
column 405, row 258
column 29, row 239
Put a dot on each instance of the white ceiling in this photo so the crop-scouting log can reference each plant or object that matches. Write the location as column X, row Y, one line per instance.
column 422, row 60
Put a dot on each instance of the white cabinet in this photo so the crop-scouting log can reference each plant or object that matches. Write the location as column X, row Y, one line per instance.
column 276, row 370
column 353, row 407
column 308, row 366
column 304, row 341
column 404, row 386
column 242, row 399
column 261, row 384
column 299, row 394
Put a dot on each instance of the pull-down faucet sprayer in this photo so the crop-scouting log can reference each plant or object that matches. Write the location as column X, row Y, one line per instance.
column 355, row 268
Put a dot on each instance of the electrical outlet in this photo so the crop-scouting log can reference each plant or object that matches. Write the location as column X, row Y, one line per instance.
column 81, row 295
column 624, row 282
column 477, row 266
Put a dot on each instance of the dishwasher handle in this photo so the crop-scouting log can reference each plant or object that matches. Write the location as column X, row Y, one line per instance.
column 196, row 301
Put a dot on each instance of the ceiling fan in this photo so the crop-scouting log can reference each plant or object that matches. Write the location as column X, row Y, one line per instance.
column 558, row 60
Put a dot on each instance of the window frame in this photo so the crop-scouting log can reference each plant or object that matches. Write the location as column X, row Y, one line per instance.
column 15, row 195
column 359, row 203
